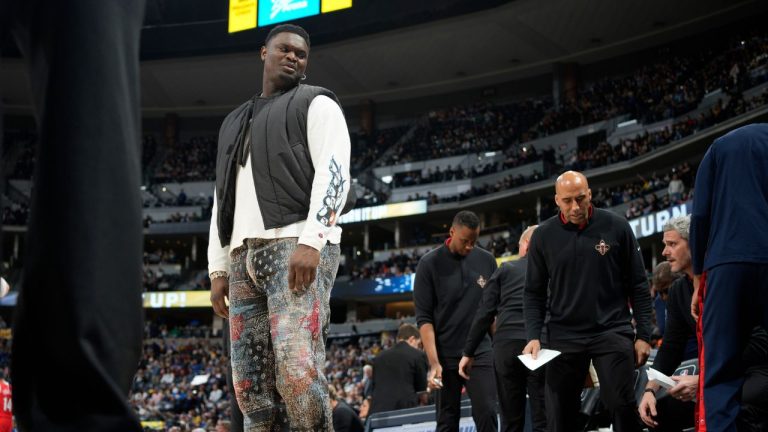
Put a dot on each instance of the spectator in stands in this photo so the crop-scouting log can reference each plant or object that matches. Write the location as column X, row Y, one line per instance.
column 85, row 87
column 280, row 307
column 676, row 412
column 396, row 265
column 191, row 160
column 344, row 367
column 661, row 280
column 675, row 188
column 345, row 419
column 503, row 301
column 223, row 426
column 162, row 388
column 729, row 234
column 447, row 289
column 367, row 381
column 365, row 410
column 627, row 149
column 590, row 254
column 399, row 373
column 181, row 199
column 670, row 88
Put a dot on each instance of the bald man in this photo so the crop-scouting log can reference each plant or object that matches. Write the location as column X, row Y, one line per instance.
column 590, row 262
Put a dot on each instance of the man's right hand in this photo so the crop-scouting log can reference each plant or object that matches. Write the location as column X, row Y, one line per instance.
column 219, row 292
column 647, row 409
column 435, row 377
column 533, row 348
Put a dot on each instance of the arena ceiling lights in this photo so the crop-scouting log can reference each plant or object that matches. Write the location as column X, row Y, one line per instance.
column 248, row 14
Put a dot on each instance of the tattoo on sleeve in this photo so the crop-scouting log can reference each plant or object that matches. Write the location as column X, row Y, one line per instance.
column 332, row 200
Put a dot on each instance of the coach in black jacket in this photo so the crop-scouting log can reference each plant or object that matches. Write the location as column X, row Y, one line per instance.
column 399, row 373
column 447, row 289
column 503, row 299
column 589, row 262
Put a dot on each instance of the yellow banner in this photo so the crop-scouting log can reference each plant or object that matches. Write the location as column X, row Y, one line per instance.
column 242, row 15
column 506, row 258
column 334, row 5
column 154, row 425
column 384, row 211
column 177, row 299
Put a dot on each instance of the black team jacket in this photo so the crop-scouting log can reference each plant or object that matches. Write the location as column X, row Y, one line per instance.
column 681, row 328
column 502, row 299
column 594, row 273
column 446, row 291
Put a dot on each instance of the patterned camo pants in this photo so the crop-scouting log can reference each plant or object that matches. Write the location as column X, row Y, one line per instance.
column 278, row 338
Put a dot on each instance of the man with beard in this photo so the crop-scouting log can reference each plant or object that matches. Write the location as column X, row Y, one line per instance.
column 282, row 178
column 589, row 262
column 447, row 289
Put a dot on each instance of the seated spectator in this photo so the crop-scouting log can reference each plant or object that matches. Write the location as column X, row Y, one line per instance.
column 345, row 419
column 399, row 373
column 660, row 282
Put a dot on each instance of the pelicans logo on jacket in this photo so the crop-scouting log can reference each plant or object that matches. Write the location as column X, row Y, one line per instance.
column 602, row 247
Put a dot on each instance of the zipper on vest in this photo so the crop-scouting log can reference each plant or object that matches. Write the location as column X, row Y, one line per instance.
column 269, row 170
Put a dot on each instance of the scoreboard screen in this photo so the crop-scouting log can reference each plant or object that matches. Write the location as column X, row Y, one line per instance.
column 275, row 11
column 247, row 14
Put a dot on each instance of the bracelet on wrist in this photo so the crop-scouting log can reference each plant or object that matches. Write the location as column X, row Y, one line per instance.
column 651, row 391
column 218, row 274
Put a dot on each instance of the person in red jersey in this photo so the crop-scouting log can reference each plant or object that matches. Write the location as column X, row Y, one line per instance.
column 6, row 407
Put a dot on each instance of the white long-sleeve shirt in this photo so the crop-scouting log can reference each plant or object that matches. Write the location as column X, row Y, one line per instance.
column 676, row 186
column 328, row 141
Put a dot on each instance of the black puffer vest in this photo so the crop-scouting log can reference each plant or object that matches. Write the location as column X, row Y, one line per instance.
column 282, row 166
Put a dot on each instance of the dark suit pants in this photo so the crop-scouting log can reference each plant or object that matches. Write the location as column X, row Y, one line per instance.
column 735, row 300
column 79, row 315
column 481, row 388
column 513, row 381
column 613, row 357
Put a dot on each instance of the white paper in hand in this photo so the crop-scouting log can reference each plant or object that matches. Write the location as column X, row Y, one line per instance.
column 660, row 379
column 544, row 356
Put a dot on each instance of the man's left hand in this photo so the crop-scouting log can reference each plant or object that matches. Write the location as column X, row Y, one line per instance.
column 302, row 268
column 465, row 365
column 686, row 388
column 642, row 351
column 695, row 297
